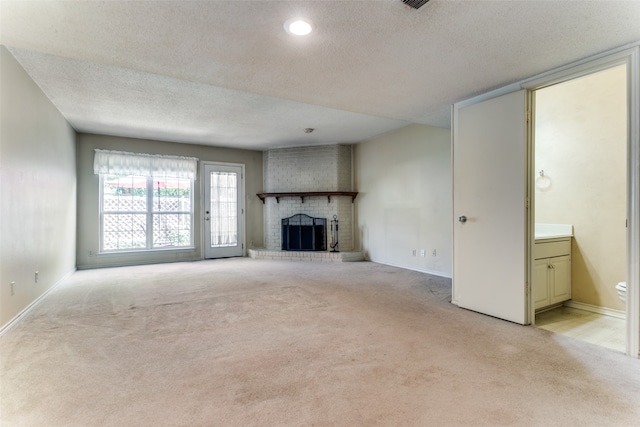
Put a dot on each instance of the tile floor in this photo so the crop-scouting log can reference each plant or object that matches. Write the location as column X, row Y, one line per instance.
column 595, row 328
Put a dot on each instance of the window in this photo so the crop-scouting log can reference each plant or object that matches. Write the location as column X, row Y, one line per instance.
column 148, row 208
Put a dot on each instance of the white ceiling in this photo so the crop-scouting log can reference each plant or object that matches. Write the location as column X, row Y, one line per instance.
column 225, row 73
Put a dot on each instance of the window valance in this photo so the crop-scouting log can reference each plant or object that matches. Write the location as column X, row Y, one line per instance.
column 124, row 163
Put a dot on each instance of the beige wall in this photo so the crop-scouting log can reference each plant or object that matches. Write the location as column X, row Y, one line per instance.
column 405, row 196
column 37, row 191
column 581, row 146
column 88, row 206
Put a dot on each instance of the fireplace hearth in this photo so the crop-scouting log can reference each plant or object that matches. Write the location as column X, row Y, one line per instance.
column 302, row 232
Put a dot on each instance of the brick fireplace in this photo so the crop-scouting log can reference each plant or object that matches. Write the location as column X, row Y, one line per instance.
column 308, row 169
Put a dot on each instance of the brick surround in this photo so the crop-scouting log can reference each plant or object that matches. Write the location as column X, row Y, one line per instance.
column 319, row 168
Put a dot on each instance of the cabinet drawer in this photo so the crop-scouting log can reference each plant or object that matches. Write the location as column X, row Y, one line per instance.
column 551, row 249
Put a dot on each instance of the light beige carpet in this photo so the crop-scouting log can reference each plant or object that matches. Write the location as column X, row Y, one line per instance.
column 242, row 342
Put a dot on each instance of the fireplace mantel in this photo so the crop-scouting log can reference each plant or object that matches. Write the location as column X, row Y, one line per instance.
column 302, row 195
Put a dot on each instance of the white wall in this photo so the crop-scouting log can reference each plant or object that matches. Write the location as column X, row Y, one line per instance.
column 88, row 197
column 405, row 198
column 37, row 191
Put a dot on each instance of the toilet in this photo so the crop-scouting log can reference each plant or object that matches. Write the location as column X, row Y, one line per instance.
column 622, row 291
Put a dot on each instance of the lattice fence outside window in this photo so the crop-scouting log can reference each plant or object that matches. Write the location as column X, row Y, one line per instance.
column 145, row 213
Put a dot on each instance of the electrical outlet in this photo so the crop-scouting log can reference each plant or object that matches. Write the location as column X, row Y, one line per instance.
column 12, row 290
column 422, row 252
column 90, row 253
column 413, row 252
column 434, row 253
column 36, row 278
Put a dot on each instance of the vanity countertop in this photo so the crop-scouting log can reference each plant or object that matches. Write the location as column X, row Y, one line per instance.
column 552, row 231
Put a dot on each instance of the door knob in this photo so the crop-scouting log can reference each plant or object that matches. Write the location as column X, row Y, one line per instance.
column 462, row 218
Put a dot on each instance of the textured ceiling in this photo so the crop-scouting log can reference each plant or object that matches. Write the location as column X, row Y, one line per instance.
column 225, row 73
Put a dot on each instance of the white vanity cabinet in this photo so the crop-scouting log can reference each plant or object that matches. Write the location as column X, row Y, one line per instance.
column 551, row 271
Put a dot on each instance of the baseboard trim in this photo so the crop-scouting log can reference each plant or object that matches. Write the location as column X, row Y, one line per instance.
column 596, row 309
column 35, row 302
column 420, row 270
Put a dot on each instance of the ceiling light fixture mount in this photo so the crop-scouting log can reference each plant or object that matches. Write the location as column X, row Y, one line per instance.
column 298, row 26
column 309, row 130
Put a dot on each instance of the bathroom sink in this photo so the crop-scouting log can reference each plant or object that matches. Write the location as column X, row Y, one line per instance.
column 552, row 231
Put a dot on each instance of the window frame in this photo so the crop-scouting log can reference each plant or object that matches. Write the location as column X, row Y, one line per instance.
column 149, row 214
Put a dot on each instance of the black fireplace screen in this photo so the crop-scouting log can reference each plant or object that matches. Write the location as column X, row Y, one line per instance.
column 304, row 233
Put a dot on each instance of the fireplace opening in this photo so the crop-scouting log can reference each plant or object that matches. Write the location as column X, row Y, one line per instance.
column 304, row 233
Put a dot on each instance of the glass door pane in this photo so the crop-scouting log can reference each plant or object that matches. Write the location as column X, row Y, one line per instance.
column 223, row 211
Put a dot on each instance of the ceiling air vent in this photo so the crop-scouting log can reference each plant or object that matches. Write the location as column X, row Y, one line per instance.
column 416, row 4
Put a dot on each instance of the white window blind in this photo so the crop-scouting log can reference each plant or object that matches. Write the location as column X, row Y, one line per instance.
column 107, row 162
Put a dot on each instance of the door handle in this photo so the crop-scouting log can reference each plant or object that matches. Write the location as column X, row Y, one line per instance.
column 462, row 219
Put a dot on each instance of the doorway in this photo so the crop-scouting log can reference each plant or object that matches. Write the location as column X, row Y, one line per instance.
column 223, row 210
column 580, row 197
column 464, row 133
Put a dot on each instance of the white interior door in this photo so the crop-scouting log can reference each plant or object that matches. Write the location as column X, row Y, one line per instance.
column 223, row 210
column 489, row 203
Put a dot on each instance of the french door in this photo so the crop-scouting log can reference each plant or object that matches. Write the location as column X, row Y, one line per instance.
column 223, row 210
column 489, row 203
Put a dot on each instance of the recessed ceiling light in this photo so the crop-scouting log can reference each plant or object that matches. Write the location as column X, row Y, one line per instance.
column 298, row 26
